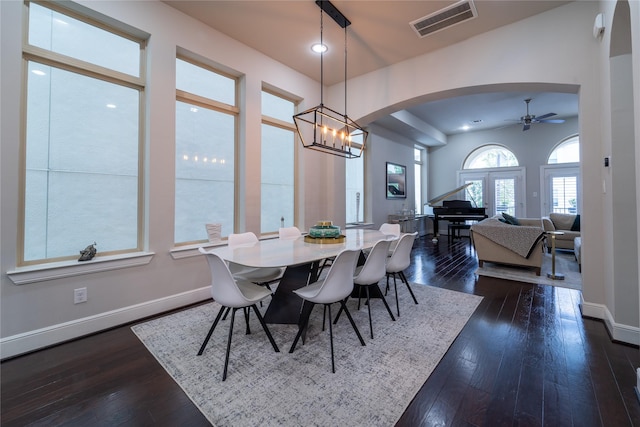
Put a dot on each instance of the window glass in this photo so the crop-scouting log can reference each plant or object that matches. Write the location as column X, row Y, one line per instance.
column 567, row 151
column 277, row 179
column 354, row 175
column 277, row 167
column 277, row 107
column 206, row 83
column 490, row 156
column 564, row 194
column 82, row 144
column 205, row 153
column 205, row 171
column 68, row 36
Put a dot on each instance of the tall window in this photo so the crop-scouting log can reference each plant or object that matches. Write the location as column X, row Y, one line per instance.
column 277, row 192
column 206, row 115
column 562, row 178
column 354, row 176
column 418, row 165
column 83, row 137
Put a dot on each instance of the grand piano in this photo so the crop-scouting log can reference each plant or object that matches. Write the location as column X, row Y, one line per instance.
column 456, row 211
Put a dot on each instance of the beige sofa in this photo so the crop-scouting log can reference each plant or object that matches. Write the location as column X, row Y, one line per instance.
column 564, row 223
column 488, row 250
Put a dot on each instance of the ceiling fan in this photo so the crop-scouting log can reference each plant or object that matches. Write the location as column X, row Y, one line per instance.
column 529, row 119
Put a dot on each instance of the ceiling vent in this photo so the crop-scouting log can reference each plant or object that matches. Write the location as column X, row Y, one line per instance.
column 444, row 18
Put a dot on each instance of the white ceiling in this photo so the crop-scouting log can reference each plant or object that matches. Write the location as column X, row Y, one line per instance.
column 379, row 36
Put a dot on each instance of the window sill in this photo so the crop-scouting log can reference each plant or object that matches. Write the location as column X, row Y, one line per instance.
column 59, row 270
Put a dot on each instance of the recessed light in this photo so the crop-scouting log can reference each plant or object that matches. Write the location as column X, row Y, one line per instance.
column 319, row 48
column 111, row 105
column 465, row 127
column 38, row 72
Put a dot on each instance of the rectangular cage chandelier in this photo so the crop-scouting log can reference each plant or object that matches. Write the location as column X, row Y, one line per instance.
column 321, row 128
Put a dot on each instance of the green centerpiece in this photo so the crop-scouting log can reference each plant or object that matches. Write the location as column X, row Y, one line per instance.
column 324, row 232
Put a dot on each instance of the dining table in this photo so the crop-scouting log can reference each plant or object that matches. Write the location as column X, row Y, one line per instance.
column 302, row 257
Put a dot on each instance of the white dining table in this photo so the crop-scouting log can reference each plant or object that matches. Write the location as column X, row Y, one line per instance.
column 291, row 252
column 301, row 260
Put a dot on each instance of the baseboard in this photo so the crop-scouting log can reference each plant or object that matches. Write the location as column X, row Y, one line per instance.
column 40, row 338
column 619, row 332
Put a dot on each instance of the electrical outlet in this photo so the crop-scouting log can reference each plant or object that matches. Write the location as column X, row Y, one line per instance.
column 79, row 295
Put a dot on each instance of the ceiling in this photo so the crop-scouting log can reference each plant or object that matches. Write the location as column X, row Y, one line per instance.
column 380, row 35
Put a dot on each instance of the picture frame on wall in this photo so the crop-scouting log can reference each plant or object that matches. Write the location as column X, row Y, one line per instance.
column 396, row 181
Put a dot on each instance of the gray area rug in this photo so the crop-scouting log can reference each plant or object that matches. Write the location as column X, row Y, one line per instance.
column 565, row 264
column 372, row 385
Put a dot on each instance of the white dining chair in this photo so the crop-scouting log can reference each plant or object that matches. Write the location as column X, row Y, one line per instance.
column 392, row 231
column 234, row 295
column 336, row 287
column 261, row 276
column 399, row 261
column 289, row 233
column 368, row 275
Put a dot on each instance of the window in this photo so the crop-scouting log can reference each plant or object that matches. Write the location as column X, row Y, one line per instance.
column 490, row 156
column 206, row 116
column 561, row 178
column 83, row 137
column 277, row 192
column 418, row 165
column 568, row 151
column 354, row 176
column 497, row 183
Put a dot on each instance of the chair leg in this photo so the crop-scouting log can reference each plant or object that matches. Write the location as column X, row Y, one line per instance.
column 395, row 288
column 302, row 327
column 353, row 324
column 266, row 330
column 335, row 321
column 246, row 318
column 369, row 310
column 226, row 357
column 384, row 301
column 406, row 282
column 333, row 364
column 226, row 313
column 213, row 326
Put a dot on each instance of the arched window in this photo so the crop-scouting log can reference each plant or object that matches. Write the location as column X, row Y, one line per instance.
column 490, row 156
column 567, row 151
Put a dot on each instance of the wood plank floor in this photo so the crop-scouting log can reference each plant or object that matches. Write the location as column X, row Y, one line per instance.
column 526, row 357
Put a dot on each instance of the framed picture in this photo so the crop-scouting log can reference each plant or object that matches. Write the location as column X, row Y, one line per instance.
column 396, row 178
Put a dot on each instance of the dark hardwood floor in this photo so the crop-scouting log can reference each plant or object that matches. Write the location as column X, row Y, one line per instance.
column 526, row 357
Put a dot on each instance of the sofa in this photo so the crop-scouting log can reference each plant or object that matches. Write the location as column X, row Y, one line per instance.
column 569, row 224
column 503, row 243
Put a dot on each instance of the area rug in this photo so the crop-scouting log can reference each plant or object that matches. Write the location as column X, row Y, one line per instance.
column 565, row 264
column 372, row 385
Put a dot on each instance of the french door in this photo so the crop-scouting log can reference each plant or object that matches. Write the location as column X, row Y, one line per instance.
column 560, row 189
column 498, row 190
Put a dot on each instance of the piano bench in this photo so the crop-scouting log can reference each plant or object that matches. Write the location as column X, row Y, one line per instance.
column 453, row 230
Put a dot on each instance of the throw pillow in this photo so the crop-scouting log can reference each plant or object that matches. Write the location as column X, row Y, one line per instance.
column 510, row 219
column 576, row 224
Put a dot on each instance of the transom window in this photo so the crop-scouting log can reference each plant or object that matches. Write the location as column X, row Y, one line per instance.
column 83, row 137
column 490, row 156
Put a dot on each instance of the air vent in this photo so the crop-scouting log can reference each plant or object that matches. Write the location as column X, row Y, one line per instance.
column 444, row 18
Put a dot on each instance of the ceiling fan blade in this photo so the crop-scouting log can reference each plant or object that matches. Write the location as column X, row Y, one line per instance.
column 526, row 127
column 551, row 121
column 544, row 116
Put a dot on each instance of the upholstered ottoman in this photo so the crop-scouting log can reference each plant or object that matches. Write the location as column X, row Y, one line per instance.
column 577, row 246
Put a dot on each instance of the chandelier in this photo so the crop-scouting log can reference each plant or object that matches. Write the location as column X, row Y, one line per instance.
column 321, row 128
